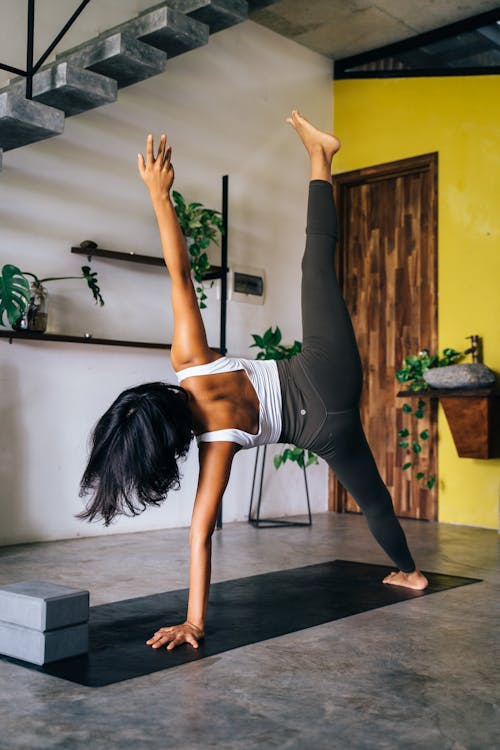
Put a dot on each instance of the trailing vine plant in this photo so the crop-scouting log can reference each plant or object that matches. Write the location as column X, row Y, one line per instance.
column 411, row 437
column 200, row 226
column 271, row 348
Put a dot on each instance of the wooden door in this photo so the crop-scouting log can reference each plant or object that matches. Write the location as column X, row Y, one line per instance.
column 387, row 264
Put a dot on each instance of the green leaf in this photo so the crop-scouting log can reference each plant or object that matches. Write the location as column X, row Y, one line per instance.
column 424, row 434
column 178, row 198
column 272, row 338
column 278, row 460
column 91, row 278
column 421, row 404
column 417, row 448
column 311, row 459
column 420, row 475
column 431, row 482
column 412, row 359
column 404, row 444
column 419, row 414
column 407, row 408
column 403, row 433
column 407, row 465
column 14, row 294
column 419, row 385
column 402, row 375
column 258, row 340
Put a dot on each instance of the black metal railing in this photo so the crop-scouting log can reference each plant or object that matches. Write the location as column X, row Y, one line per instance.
column 31, row 66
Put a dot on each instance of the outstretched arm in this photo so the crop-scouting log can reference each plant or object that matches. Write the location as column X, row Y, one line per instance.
column 215, row 467
column 189, row 345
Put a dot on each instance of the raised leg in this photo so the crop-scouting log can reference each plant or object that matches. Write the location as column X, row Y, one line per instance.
column 332, row 363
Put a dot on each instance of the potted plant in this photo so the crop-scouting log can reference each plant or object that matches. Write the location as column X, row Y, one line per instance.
column 24, row 303
column 271, row 348
column 200, row 226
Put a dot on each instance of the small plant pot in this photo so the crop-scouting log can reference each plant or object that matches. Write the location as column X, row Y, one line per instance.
column 34, row 318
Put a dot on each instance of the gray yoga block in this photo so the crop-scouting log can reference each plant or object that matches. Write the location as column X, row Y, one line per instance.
column 38, row 647
column 42, row 606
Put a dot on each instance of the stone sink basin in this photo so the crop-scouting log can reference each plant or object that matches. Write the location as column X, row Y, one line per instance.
column 472, row 375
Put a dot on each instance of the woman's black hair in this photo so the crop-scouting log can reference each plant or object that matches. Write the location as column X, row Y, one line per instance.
column 135, row 447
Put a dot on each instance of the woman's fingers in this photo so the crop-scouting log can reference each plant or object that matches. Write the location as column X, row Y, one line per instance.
column 161, row 152
column 141, row 165
column 167, row 156
column 160, row 161
column 178, row 640
column 149, row 151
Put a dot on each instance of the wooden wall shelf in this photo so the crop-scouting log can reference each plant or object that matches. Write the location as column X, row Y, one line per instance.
column 473, row 416
column 22, row 336
column 87, row 248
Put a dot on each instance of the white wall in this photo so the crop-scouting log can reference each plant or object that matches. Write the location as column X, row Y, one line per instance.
column 223, row 107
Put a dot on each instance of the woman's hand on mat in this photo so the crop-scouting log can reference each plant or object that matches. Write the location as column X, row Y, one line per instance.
column 176, row 636
column 157, row 172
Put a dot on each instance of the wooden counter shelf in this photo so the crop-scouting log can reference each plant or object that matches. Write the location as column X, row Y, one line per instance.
column 473, row 415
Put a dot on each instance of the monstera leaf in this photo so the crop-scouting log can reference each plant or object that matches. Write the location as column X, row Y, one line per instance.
column 14, row 294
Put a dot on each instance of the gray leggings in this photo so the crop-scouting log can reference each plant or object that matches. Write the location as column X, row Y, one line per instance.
column 321, row 386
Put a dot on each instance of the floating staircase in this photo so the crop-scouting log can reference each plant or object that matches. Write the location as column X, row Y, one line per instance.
column 89, row 75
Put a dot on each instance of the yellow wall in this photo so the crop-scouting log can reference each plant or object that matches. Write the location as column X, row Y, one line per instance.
column 384, row 120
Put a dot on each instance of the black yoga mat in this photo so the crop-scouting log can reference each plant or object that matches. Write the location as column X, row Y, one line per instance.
column 242, row 611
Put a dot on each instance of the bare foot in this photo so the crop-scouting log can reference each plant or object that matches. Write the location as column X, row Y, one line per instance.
column 415, row 580
column 312, row 137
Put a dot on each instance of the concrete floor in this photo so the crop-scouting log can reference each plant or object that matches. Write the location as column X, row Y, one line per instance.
column 419, row 674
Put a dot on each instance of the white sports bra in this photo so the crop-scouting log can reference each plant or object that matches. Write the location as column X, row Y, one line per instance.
column 263, row 375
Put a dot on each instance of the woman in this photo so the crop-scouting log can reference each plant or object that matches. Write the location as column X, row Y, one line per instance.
column 311, row 400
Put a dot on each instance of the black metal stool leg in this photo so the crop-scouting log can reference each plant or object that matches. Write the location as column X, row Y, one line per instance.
column 261, row 523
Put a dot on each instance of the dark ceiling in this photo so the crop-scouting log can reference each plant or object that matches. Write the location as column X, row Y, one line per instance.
column 391, row 37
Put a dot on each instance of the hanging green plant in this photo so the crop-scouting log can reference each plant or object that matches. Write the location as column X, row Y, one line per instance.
column 412, row 437
column 200, row 226
column 272, row 348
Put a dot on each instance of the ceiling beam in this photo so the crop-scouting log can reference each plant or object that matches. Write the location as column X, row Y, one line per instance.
column 343, row 67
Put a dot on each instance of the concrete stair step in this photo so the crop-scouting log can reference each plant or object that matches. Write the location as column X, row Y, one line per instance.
column 167, row 29
column 119, row 56
column 71, row 89
column 217, row 14
column 23, row 121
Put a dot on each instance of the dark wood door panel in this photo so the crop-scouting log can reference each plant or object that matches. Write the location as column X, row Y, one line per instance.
column 387, row 263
